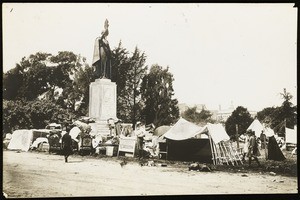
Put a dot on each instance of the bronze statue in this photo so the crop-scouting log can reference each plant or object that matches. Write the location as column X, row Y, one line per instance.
column 102, row 55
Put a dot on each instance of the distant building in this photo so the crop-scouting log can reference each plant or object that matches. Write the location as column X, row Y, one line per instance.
column 183, row 107
column 220, row 115
column 223, row 115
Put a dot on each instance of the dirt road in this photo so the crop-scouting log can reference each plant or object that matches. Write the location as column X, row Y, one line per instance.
column 29, row 174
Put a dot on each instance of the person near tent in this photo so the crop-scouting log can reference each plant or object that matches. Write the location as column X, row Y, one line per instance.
column 245, row 137
column 140, row 139
column 263, row 140
column 67, row 144
column 253, row 150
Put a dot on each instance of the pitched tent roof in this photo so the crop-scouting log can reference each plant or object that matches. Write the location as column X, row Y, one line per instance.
column 183, row 130
column 257, row 127
column 216, row 131
column 21, row 140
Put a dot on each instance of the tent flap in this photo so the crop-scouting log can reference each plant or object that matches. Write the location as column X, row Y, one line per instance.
column 217, row 132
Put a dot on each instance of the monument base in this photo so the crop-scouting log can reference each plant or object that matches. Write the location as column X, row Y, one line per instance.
column 103, row 103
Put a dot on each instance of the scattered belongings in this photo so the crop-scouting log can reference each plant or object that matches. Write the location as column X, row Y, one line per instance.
column 6, row 140
column 123, row 163
column 151, row 163
column 38, row 142
column 199, row 167
column 273, row 173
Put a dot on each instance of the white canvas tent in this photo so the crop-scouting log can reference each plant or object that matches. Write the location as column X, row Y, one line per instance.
column 214, row 134
column 291, row 135
column 257, row 127
column 21, row 140
column 183, row 130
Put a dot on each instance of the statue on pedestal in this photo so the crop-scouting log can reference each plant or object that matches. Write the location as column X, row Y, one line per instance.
column 102, row 55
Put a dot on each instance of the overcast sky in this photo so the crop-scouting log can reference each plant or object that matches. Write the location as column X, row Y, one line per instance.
column 218, row 53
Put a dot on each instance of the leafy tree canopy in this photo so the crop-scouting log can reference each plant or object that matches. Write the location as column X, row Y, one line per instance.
column 157, row 91
column 241, row 117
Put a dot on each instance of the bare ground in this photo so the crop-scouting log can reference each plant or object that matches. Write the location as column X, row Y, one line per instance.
column 33, row 174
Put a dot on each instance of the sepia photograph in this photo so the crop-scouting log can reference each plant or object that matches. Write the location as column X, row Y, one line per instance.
column 149, row 99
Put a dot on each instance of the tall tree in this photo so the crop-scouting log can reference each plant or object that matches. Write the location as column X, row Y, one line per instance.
column 280, row 117
column 80, row 89
column 128, row 72
column 157, row 92
column 241, row 117
column 288, row 110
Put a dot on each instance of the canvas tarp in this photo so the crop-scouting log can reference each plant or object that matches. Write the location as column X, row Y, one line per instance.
column 183, row 130
column 257, row 127
column 291, row 135
column 161, row 130
column 216, row 131
column 21, row 140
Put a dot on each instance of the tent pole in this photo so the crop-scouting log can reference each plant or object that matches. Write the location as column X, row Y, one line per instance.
column 223, row 153
column 227, row 153
column 230, row 153
column 218, row 153
column 265, row 147
column 212, row 151
column 234, row 154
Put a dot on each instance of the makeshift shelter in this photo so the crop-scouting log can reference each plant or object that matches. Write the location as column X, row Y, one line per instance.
column 257, row 127
column 21, row 140
column 181, row 143
column 291, row 136
column 221, row 147
column 190, row 142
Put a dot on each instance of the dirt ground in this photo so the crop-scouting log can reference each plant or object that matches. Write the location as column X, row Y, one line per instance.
column 33, row 174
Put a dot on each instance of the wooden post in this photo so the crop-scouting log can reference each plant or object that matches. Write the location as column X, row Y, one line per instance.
column 212, row 151
column 237, row 136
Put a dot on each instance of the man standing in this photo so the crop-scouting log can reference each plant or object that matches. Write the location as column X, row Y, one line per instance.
column 67, row 144
column 245, row 137
column 140, row 139
column 253, row 150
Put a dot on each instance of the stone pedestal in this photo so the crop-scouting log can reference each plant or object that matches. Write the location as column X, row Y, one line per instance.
column 103, row 102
